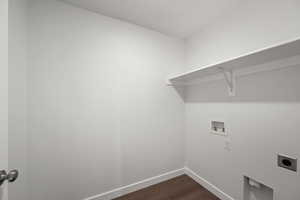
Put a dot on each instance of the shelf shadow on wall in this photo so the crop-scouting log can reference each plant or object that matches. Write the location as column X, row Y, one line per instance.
column 282, row 85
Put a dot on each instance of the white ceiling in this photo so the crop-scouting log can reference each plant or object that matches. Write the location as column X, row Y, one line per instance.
column 179, row 18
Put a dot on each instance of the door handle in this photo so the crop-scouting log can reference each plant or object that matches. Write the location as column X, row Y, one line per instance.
column 11, row 176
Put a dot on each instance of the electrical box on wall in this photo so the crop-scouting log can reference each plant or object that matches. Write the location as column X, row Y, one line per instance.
column 287, row 162
column 218, row 127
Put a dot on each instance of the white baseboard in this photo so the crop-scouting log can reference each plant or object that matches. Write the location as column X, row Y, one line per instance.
column 210, row 187
column 157, row 179
column 137, row 186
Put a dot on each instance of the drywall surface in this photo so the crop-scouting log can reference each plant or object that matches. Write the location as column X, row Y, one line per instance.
column 261, row 120
column 17, row 137
column 260, row 123
column 3, row 91
column 253, row 25
column 100, row 114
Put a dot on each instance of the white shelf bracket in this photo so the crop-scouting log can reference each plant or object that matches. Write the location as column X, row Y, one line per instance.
column 230, row 80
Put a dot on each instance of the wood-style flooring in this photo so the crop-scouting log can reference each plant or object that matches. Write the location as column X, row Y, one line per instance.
column 179, row 188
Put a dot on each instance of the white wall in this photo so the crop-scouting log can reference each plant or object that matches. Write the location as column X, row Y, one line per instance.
column 3, row 91
column 17, row 137
column 100, row 115
column 262, row 118
column 253, row 25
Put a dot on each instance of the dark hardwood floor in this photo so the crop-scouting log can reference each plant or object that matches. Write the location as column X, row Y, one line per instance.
column 179, row 188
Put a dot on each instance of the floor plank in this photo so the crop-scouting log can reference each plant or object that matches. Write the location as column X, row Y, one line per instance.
column 179, row 188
